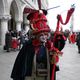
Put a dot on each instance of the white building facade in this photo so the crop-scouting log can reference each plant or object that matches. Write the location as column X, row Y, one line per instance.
column 12, row 14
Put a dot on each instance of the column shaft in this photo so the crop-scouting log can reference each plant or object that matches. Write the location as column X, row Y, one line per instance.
column 4, row 29
column 18, row 26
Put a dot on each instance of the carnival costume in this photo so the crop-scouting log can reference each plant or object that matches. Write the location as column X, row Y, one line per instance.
column 35, row 59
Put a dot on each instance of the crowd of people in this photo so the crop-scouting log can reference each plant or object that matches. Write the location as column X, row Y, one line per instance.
column 74, row 38
column 14, row 40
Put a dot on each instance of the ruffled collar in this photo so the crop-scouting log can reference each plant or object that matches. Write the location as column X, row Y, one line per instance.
column 36, row 43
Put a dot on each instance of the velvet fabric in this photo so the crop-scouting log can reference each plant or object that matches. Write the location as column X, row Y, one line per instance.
column 23, row 63
column 60, row 20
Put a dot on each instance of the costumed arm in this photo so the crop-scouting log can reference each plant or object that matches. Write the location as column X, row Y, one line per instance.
column 54, row 57
column 52, row 49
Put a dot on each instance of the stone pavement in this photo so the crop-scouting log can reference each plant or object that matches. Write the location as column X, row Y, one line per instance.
column 6, row 63
column 69, row 63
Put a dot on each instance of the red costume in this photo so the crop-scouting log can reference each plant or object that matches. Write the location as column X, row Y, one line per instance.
column 73, row 38
column 38, row 25
column 36, row 57
column 14, row 43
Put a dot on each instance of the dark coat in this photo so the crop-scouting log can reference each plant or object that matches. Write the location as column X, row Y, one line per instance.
column 23, row 63
column 78, row 40
column 59, row 42
column 8, row 39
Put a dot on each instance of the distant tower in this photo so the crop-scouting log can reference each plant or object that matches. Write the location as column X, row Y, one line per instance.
column 72, row 19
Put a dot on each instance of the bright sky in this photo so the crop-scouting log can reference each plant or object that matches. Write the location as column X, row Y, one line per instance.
column 64, row 7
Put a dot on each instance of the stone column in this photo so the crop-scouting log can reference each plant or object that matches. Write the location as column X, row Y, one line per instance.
column 0, row 32
column 27, row 26
column 18, row 25
column 4, row 27
column 26, row 22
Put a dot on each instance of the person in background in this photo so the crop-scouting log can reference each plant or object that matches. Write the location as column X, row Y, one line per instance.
column 8, row 39
column 78, row 42
column 73, row 37
column 15, row 43
column 59, row 40
column 21, row 39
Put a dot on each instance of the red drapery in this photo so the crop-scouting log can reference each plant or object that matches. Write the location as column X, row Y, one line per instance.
column 60, row 20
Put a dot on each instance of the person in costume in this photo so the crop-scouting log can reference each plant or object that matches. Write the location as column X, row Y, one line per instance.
column 37, row 54
column 73, row 38
column 14, row 45
column 60, row 40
